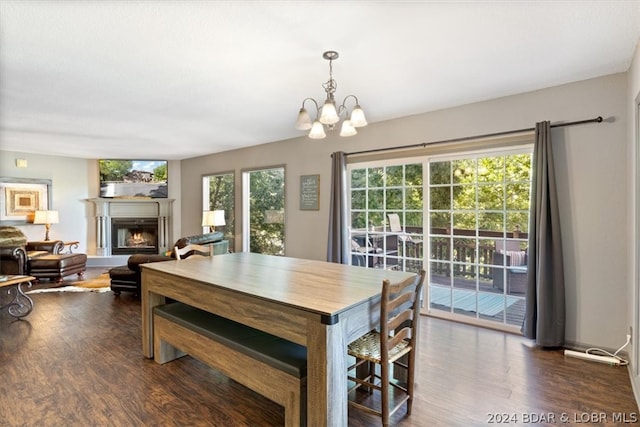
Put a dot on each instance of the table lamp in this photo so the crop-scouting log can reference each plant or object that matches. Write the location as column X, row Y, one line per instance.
column 47, row 218
column 212, row 219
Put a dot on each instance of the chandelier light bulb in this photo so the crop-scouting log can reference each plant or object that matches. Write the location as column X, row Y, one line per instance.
column 329, row 115
column 304, row 121
column 317, row 131
column 357, row 117
column 347, row 129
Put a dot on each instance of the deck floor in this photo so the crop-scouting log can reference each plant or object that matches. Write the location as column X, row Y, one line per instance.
column 514, row 314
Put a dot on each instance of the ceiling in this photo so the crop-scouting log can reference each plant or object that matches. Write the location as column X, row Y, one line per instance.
column 179, row 79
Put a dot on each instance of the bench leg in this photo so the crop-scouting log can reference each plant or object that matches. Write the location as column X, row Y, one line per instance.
column 163, row 352
column 295, row 410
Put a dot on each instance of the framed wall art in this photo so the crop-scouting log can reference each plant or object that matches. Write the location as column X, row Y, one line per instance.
column 309, row 192
column 21, row 197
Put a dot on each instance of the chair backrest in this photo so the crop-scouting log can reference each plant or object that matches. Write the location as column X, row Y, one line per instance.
column 200, row 239
column 394, row 223
column 507, row 245
column 193, row 249
column 399, row 313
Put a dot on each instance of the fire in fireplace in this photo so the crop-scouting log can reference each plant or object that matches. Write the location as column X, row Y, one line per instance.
column 134, row 236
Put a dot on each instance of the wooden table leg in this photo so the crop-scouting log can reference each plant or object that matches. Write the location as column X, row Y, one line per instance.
column 326, row 375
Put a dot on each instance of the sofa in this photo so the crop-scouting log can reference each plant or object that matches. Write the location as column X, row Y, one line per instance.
column 128, row 277
column 41, row 259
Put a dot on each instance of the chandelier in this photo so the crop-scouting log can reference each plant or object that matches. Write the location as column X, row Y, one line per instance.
column 329, row 115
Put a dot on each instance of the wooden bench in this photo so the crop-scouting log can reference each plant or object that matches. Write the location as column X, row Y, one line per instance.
column 269, row 365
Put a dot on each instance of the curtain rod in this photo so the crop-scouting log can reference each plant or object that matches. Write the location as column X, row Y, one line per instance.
column 466, row 138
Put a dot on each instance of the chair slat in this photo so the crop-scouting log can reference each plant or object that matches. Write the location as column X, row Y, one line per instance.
column 192, row 249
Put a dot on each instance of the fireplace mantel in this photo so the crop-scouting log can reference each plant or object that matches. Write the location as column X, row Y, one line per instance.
column 106, row 209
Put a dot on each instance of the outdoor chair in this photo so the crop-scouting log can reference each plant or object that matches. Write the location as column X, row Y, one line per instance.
column 411, row 247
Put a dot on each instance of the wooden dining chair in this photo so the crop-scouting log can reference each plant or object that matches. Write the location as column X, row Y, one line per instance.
column 394, row 345
column 192, row 249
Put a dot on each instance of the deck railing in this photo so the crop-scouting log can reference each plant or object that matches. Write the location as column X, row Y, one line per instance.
column 452, row 251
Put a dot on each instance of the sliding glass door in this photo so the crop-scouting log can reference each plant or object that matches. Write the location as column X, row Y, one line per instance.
column 479, row 219
column 463, row 218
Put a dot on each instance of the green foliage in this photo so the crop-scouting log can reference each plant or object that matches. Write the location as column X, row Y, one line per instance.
column 491, row 185
column 458, row 189
column 266, row 211
column 114, row 170
column 379, row 191
column 266, row 208
column 221, row 197
column 160, row 173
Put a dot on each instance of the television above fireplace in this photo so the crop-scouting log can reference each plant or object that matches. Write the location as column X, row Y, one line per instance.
column 133, row 178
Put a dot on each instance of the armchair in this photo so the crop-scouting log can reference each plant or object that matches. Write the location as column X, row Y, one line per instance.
column 13, row 260
column 515, row 264
column 16, row 251
column 49, row 246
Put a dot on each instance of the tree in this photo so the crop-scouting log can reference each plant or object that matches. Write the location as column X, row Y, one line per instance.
column 114, row 170
column 221, row 197
column 458, row 189
column 160, row 173
column 266, row 197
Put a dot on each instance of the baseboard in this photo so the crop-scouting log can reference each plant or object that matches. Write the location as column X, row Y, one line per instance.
column 571, row 345
column 635, row 384
column 106, row 261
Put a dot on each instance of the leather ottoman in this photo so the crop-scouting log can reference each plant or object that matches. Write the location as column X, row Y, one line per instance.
column 57, row 266
column 123, row 279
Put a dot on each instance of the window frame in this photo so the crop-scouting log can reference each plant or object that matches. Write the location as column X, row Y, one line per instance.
column 246, row 220
column 230, row 217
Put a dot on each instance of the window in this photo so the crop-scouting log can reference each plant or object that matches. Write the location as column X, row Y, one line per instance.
column 263, row 211
column 219, row 195
column 378, row 193
column 479, row 218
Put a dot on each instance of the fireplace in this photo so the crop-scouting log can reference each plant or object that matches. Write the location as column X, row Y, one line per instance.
column 134, row 236
column 148, row 216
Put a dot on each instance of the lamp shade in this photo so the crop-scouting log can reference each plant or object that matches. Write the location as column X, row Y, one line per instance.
column 218, row 217
column 317, row 131
column 46, row 217
column 357, row 117
column 304, row 121
column 329, row 115
column 213, row 218
column 347, row 129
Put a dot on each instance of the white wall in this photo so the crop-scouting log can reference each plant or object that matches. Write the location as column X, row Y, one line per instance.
column 593, row 174
column 73, row 182
column 71, row 179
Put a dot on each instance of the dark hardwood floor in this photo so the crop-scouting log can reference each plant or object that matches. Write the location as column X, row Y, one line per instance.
column 76, row 360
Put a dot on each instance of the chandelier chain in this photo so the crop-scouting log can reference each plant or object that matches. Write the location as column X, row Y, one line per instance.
column 331, row 85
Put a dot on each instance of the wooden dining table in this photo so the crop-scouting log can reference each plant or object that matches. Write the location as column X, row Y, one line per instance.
column 320, row 305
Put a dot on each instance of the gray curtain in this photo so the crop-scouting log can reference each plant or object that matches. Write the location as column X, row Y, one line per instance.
column 338, row 244
column 545, row 309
